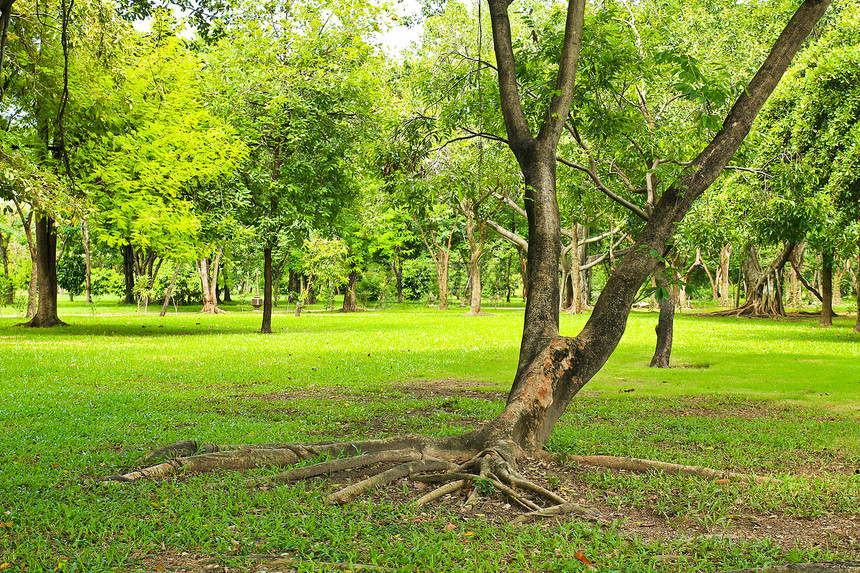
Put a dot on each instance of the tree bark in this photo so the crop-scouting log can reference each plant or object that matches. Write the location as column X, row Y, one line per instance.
column 208, row 271
column 128, row 272
column 796, row 279
column 398, row 273
column 350, row 304
column 475, row 234
column 46, row 251
column 826, row 318
column 85, row 233
column 169, row 292
column 725, row 283
column 266, row 327
column 763, row 286
column 665, row 324
column 857, row 289
column 553, row 368
column 8, row 294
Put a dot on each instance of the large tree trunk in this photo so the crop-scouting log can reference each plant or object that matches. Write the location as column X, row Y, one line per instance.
column 128, row 272
column 666, row 322
column 350, row 303
column 46, row 251
column 763, row 286
column 553, row 368
column 266, row 327
column 826, row 318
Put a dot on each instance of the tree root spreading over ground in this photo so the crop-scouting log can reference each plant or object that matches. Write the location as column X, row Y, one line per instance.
column 428, row 460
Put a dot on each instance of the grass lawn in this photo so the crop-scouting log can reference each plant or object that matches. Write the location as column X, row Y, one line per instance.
column 78, row 403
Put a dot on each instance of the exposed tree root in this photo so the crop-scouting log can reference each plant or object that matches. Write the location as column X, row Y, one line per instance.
column 566, row 508
column 455, row 464
column 639, row 465
column 440, row 492
column 448, row 462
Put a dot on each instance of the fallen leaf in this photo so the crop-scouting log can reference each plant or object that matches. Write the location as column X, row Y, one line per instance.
column 450, row 527
column 4, row 566
column 468, row 533
column 583, row 558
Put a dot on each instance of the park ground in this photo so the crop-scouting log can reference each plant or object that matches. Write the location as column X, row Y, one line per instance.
column 775, row 398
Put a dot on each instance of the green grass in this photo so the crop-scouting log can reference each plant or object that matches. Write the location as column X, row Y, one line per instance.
column 780, row 398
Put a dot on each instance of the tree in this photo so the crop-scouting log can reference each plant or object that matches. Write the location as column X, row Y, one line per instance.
column 149, row 167
column 552, row 368
column 300, row 92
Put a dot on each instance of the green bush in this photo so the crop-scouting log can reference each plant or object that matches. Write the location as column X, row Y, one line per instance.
column 106, row 282
column 72, row 274
column 187, row 289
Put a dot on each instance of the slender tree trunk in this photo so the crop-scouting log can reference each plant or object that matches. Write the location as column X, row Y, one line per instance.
column 838, row 275
column 725, row 283
column 266, row 327
column 350, row 304
column 475, row 236
column 128, row 272
column 826, row 318
column 85, row 232
column 665, row 324
column 46, row 250
column 523, row 272
column 227, row 296
column 33, row 288
column 168, row 294
column 8, row 294
column 857, row 289
column 442, row 257
column 508, row 280
column 398, row 272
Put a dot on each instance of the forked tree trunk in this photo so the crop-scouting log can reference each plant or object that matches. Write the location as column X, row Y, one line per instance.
column 266, row 327
column 553, row 368
column 350, row 303
column 826, row 318
column 207, row 269
column 46, row 251
column 764, row 287
column 666, row 322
